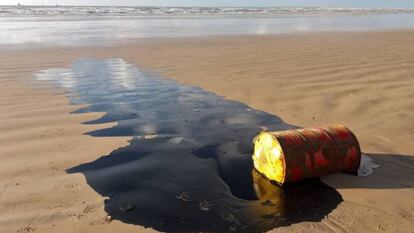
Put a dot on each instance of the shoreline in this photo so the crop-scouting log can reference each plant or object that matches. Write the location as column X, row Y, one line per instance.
column 362, row 79
column 153, row 41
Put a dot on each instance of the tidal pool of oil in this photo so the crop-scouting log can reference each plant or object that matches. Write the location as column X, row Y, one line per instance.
column 188, row 167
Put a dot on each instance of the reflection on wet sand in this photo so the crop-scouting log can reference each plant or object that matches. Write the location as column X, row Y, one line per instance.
column 90, row 30
column 188, row 167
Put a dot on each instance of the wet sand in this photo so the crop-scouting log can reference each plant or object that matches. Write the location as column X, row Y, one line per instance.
column 363, row 80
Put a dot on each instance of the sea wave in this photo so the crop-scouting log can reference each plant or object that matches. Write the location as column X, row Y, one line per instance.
column 145, row 11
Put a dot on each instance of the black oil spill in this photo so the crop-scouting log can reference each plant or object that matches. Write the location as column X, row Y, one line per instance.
column 188, row 167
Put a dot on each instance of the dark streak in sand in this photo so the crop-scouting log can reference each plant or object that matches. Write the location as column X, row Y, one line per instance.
column 188, row 167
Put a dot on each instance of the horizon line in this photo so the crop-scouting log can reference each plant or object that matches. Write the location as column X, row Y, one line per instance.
column 64, row 5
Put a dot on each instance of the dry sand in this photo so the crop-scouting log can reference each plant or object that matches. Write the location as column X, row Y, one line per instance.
column 364, row 80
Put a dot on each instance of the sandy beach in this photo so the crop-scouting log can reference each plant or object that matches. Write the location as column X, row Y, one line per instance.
column 361, row 79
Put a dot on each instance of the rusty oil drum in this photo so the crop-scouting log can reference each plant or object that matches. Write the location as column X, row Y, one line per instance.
column 292, row 155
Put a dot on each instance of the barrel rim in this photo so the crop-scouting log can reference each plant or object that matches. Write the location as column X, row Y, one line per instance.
column 282, row 155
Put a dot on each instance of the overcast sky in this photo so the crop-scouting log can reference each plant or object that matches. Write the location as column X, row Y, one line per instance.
column 322, row 3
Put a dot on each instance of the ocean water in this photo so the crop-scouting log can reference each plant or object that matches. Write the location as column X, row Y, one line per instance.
column 92, row 26
column 134, row 11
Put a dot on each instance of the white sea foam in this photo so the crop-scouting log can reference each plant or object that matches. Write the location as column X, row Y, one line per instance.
column 367, row 166
column 136, row 11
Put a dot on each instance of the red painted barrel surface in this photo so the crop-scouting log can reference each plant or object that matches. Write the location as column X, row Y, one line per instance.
column 312, row 152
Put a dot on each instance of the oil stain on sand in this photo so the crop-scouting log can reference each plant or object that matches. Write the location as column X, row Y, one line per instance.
column 188, row 166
